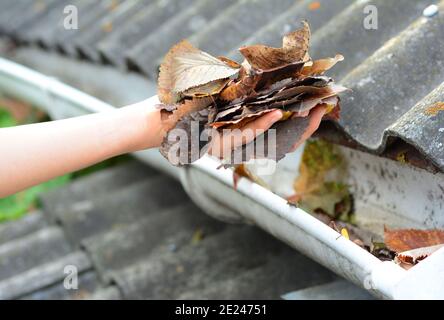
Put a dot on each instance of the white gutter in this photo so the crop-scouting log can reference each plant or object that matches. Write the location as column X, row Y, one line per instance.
column 212, row 189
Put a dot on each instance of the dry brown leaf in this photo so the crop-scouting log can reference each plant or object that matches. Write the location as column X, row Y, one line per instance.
column 244, row 120
column 209, row 89
column 185, row 67
column 187, row 107
column 229, row 62
column 242, row 171
column 409, row 258
column 195, row 86
column 318, row 67
column 408, row 239
column 294, row 49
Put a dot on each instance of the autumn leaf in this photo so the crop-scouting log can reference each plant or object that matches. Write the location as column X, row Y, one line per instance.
column 407, row 239
column 294, row 49
column 185, row 108
column 411, row 257
column 185, row 67
column 209, row 89
column 220, row 93
column 242, row 171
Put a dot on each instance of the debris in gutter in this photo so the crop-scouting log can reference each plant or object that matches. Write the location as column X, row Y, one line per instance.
column 409, row 258
column 219, row 93
column 320, row 186
column 413, row 245
column 241, row 170
column 197, row 237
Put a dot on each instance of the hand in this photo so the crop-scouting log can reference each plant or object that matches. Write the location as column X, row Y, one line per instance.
column 223, row 144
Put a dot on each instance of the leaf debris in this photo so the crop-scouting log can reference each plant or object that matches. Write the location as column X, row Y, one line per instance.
column 268, row 79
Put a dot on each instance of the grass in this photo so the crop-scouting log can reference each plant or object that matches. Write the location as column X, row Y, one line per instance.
column 17, row 205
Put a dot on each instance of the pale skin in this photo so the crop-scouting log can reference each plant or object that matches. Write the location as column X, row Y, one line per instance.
column 35, row 153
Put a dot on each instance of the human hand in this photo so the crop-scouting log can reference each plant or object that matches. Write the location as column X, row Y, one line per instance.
column 222, row 144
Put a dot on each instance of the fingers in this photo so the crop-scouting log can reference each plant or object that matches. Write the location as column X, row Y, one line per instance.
column 315, row 120
column 223, row 143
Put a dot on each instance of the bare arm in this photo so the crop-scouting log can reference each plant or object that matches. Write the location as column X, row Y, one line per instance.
column 35, row 153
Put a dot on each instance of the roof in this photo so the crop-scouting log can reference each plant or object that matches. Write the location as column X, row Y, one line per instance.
column 396, row 72
column 133, row 233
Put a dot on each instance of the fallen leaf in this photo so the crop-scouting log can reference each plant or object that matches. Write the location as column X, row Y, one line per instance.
column 220, row 93
column 412, row 257
column 209, row 89
column 185, row 67
column 409, row 239
column 320, row 66
column 242, row 171
column 294, row 49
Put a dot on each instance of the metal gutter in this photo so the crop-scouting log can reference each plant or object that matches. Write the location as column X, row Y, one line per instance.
column 212, row 189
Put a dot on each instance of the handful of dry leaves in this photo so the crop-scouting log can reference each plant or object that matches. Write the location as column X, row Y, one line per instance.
column 218, row 93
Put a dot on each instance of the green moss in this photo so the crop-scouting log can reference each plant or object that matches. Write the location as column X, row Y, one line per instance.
column 320, row 159
column 6, row 119
column 321, row 156
column 15, row 206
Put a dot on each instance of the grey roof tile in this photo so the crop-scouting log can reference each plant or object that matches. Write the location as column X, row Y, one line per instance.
column 113, row 48
column 146, row 54
column 94, row 186
column 288, row 270
column 137, row 244
column 385, row 86
column 31, row 250
column 238, row 23
column 271, row 34
column 85, row 42
column 335, row 290
column 32, row 222
column 346, row 33
column 430, row 139
column 42, row 30
column 89, row 14
column 136, row 201
column 216, row 259
column 167, row 230
column 337, row 28
column 42, row 275
column 87, row 286
column 31, row 12
column 8, row 13
column 108, row 293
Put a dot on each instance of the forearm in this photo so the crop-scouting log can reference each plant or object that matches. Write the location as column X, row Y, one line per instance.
column 35, row 153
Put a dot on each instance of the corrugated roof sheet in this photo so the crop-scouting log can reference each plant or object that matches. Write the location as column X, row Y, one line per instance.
column 396, row 72
column 142, row 248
